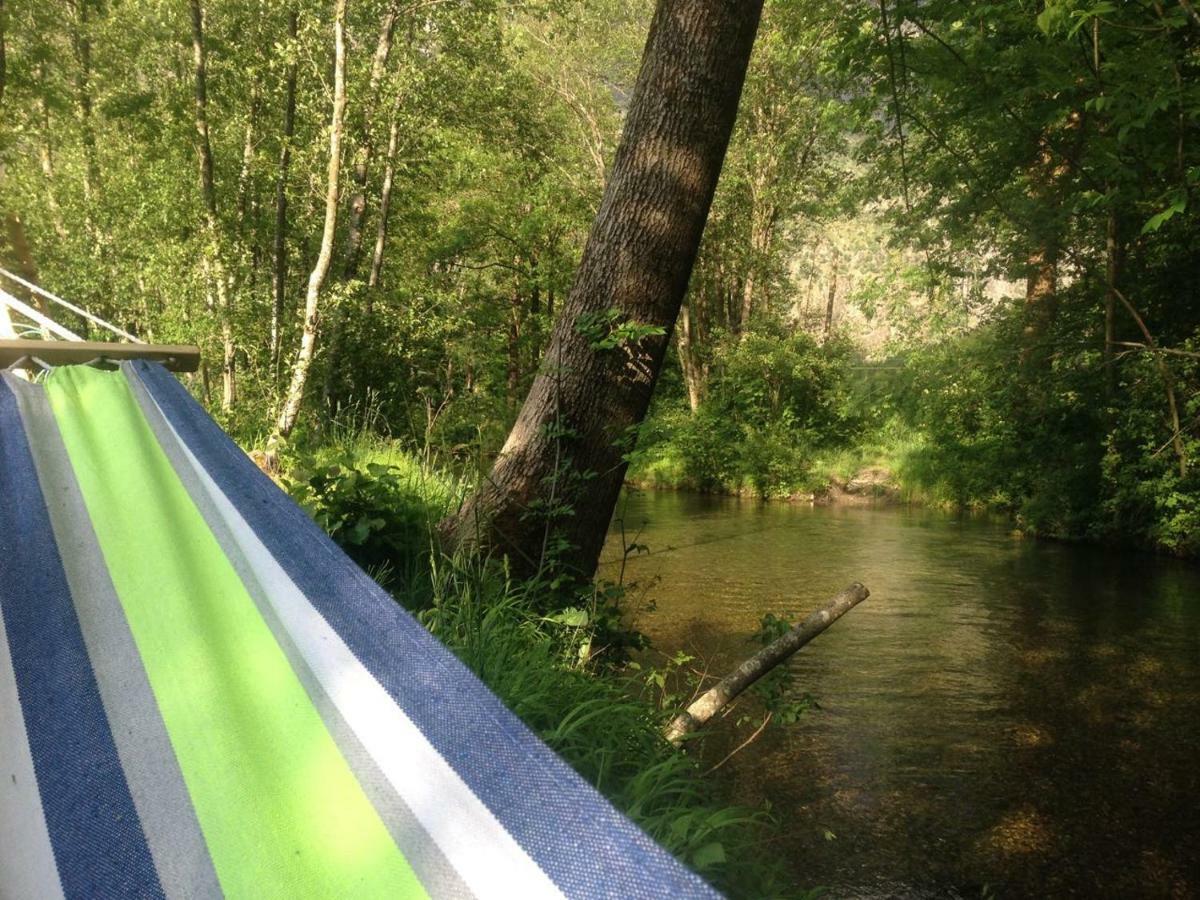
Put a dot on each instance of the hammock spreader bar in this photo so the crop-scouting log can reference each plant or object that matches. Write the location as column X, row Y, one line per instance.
column 202, row 696
column 31, row 354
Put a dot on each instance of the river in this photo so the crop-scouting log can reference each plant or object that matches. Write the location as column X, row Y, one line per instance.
column 1003, row 717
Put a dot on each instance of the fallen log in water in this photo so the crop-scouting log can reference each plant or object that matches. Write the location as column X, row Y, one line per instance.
column 725, row 690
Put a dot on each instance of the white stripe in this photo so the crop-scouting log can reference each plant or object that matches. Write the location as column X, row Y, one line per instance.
column 29, row 285
column 27, row 867
column 26, row 310
column 485, row 855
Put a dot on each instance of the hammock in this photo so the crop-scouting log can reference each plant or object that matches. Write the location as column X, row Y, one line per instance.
column 202, row 696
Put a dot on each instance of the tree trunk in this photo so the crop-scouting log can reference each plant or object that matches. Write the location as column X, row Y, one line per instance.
column 833, row 286
column 366, row 146
column 248, row 137
column 46, row 158
column 1041, row 298
column 685, row 346
column 728, row 688
column 358, row 202
column 562, row 467
column 763, row 219
column 290, row 409
column 1048, row 176
column 81, row 45
column 513, row 369
column 385, row 201
column 279, row 246
column 215, row 262
column 1112, row 271
column 3, row 52
column 22, row 261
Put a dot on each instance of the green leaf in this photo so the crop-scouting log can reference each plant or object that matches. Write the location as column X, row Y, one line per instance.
column 572, row 617
column 1178, row 205
column 710, row 854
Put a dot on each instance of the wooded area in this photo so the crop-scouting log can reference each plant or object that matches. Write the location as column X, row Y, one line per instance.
column 951, row 242
column 462, row 271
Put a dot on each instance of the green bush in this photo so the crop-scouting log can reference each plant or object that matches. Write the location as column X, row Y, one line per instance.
column 383, row 514
column 774, row 401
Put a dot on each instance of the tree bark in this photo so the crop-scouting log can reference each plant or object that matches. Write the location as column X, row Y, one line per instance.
column 1049, row 176
column 1041, row 300
column 214, row 258
column 279, row 244
column 23, row 262
column 512, row 380
column 290, row 409
column 728, row 688
column 562, row 467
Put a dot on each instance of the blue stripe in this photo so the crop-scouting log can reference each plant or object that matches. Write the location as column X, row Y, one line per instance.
column 587, row 847
column 97, row 838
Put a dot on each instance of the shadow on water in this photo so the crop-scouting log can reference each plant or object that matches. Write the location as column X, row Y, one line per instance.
column 1001, row 718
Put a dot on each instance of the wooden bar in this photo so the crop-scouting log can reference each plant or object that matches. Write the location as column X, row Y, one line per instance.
column 21, row 354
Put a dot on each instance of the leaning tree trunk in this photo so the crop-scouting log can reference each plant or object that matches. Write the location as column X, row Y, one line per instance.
column 316, row 280
column 558, row 476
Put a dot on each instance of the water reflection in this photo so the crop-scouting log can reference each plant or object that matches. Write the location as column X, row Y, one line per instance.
column 1002, row 718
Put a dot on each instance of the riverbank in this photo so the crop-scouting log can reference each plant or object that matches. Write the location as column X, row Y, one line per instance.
column 872, row 486
column 898, row 466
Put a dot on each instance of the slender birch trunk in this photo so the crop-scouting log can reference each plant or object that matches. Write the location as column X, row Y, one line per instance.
column 385, row 200
column 290, row 409
column 215, row 263
column 279, row 247
column 366, row 147
column 357, row 211
column 46, row 159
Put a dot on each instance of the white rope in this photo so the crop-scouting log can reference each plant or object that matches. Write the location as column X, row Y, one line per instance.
column 29, row 312
column 95, row 320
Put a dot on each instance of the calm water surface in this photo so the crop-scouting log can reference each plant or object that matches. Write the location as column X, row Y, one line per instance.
column 1002, row 717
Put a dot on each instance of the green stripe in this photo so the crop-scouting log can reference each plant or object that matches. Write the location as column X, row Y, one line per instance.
column 281, row 811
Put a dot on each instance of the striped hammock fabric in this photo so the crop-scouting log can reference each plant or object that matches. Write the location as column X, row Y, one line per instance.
column 202, row 696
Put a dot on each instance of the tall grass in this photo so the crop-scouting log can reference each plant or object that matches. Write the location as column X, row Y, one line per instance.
column 600, row 724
